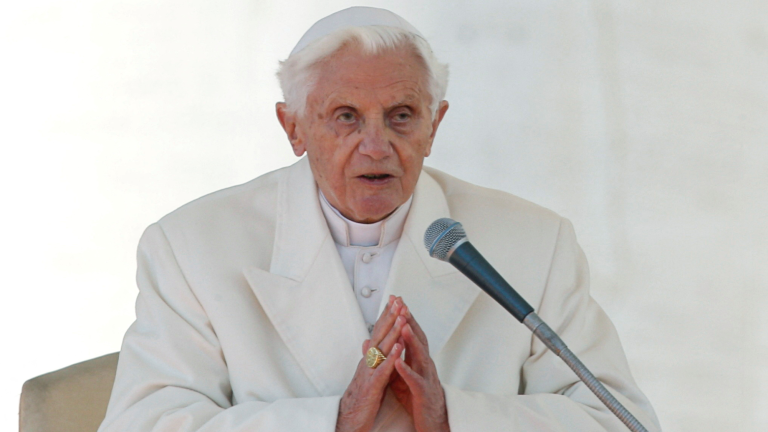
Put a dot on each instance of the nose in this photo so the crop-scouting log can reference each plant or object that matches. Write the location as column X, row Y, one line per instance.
column 374, row 142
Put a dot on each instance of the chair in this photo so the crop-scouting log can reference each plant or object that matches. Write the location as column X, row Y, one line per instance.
column 73, row 399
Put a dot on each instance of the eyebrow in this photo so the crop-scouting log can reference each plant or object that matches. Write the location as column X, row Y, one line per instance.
column 340, row 99
column 403, row 103
column 334, row 102
column 406, row 100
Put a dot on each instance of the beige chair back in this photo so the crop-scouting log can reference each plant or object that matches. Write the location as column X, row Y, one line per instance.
column 73, row 399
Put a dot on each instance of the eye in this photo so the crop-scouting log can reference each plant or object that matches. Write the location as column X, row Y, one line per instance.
column 402, row 116
column 346, row 117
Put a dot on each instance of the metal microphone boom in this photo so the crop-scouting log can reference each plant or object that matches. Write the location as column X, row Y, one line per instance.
column 446, row 240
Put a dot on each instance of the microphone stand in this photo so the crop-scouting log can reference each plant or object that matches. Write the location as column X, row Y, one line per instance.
column 557, row 346
column 446, row 240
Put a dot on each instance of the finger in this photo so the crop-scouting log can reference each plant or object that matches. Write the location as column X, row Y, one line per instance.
column 401, row 341
column 366, row 345
column 381, row 374
column 417, row 329
column 386, row 309
column 386, row 321
column 399, row 387
column 390, row 299
column 416, row 351
column 405, row 312
column 409, row 376
column 389, row 340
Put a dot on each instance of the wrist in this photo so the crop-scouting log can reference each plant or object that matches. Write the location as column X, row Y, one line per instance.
column 351, row 417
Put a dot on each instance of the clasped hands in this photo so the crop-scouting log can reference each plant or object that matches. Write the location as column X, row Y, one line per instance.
column 413, row 381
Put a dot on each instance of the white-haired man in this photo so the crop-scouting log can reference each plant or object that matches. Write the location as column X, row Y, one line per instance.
column 259, row 303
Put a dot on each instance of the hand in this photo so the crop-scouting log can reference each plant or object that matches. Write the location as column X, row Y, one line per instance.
column 416, row 384
column 363, row 397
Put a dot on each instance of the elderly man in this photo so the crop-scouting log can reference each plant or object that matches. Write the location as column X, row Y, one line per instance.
column 258, row 304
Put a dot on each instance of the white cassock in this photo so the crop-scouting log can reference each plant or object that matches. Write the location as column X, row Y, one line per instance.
column 247, row 320
column 366, row 251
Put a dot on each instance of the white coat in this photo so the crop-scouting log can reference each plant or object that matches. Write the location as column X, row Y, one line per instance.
column 246, row 320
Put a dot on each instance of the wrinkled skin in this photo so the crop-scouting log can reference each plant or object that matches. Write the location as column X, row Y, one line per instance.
column 366, row 129
column 362, row 399
column 416, row 384
column 414, row 381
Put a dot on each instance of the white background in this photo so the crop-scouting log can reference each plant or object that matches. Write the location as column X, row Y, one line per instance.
column 645, row 122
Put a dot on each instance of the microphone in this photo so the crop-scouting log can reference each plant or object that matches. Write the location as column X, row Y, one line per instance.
column 446, row 240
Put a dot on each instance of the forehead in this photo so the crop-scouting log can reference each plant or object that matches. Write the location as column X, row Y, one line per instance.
column 352, row 75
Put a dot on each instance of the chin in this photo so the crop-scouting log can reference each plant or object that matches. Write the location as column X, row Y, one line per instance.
column 374, row 209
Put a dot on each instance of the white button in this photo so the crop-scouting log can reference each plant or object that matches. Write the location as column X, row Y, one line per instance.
column 367, row 257
column 367, row 291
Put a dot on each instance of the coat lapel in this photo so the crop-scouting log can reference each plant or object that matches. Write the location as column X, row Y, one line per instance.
column 437, row 294
column 306, row 294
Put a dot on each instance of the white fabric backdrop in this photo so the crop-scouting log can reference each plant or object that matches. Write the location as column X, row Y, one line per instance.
column 643, row 122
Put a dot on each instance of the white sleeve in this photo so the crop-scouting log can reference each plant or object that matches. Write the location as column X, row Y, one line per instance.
column 172, row 375
column 553, row 398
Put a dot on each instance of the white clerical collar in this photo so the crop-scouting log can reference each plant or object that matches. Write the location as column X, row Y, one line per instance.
column 350, row 233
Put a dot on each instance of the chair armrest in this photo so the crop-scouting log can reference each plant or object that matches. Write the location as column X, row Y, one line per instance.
column 72, row 399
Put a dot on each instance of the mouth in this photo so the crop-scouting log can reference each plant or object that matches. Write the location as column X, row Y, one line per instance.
column 375, row 178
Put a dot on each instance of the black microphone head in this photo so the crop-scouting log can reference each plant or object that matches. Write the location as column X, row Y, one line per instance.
column 442, row 236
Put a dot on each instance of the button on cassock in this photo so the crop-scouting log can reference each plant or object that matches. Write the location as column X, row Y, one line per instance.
column 367, row 257
column 367, row 291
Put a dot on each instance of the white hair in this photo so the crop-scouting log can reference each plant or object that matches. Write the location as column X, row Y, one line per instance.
column 296, row 72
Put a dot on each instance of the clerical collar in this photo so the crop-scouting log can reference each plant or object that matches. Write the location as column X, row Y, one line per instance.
column 350, row 233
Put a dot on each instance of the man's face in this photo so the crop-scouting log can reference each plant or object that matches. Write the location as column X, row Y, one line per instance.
column 366, row 129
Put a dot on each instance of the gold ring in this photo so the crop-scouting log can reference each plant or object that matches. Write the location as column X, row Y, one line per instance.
column 374, row 357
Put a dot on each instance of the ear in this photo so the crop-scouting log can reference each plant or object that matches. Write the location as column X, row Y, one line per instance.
column 441, row 110
column 288, row 122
